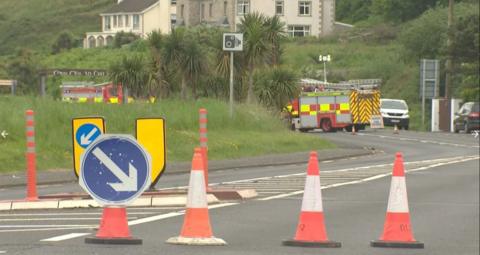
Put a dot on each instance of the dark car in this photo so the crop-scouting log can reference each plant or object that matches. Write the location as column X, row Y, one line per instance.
column 467, row 118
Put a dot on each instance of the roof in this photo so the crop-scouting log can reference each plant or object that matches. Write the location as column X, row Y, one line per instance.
column 132, row 6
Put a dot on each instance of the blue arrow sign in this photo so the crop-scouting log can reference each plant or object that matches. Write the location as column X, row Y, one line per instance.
column 115, row 169
column 86, row 134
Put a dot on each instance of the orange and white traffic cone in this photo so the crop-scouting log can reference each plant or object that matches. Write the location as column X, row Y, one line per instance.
column 113, row 228
column 196, row 228
column 311, row 227
column 395, row 130
column 397, row 231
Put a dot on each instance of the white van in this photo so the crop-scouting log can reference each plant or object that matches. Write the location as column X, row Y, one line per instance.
column 395, row 112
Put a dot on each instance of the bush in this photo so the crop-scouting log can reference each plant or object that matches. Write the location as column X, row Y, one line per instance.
column 122, row 38
column 276, row 87
column 65, row 41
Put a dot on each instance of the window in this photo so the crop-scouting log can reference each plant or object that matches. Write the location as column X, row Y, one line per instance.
column 108, row 26
column 225, row 5
column 182, row 8
column 114, row 21
column 202, row 12
column 120, row 20
column 279, row 7
column 298, row 31
column 243, row 7
column 305, row 8
column 210, row 7
column 173, row 2
column 136, row 21
column 127, row 20
column 173, row 19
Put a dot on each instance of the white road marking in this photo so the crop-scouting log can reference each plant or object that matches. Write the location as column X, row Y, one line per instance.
column 421, row 141
column 371, row 178
column 66, row 214
column 44, row 226
column 65, row 237
column 53, row 219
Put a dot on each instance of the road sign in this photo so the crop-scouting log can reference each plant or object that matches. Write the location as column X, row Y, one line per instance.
column 429, row 78
column 233, row 42
column 115, row 169
column 84, row 132
column 376, row 121
column 150, row 133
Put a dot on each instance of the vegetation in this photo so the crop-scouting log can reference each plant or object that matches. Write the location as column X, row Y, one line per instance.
column 253, row 131
column 37, row 24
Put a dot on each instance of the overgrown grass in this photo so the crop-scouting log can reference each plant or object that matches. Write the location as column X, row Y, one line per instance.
column 36, row 24
column 252, row 132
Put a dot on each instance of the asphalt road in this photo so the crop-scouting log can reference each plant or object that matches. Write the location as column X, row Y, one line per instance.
column 442, row 182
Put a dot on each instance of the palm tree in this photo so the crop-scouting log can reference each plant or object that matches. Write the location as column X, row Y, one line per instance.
column 275, row 33
column 131, row 73
column 185, row 53
column 276, row 87
column 192, row 63
column 255, row 46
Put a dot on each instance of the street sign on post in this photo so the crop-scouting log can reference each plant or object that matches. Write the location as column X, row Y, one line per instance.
column 115, row 170
column 429, row 81
column 150, row 133
column 232, row 42
column 84, row 132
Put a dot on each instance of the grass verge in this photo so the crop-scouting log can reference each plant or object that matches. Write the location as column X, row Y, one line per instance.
column 252, row 131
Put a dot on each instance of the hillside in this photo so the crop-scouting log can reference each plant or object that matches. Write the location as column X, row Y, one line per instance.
column 36, row 24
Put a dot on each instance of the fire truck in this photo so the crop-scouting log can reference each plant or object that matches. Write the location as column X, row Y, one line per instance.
column 89, row 92
column 335, row 106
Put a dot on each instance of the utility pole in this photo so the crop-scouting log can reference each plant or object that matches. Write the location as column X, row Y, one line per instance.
column 449, row 64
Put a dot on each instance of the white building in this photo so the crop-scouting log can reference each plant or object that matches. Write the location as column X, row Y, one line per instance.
column 140, row 17
column 302, row 17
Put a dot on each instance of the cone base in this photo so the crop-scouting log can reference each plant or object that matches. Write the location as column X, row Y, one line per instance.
column 98, row 240
column 212, row 241
column 322, row 244
column 393, row 244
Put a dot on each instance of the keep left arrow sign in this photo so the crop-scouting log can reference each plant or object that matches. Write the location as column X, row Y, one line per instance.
column 127, row 182
column 86, row 139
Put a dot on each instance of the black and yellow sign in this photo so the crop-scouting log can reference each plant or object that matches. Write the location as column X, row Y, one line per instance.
column 150, row 133
column 84, row 131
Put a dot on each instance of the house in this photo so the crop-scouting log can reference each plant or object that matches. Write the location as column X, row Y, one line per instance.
column 140, row 17
column 302, row 17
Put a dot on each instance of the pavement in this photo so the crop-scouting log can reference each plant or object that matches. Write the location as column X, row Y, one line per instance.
column 57, row 176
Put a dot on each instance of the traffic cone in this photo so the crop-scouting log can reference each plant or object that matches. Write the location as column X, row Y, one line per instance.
column 353, row 130
column 196, row 228
column 395, row 130
column 113, row 228
column 397, row 231
column 311, row 227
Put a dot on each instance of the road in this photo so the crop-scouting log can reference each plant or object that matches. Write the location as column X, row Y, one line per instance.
column 442, row 181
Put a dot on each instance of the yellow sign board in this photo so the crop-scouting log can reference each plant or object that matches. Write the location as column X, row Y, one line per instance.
column 84, row 131
column 150, row 133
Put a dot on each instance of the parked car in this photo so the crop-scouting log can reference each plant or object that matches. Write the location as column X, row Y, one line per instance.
column 467, row 118
column 395, row 112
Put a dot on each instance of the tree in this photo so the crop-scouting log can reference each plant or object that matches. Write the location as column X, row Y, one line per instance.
column 275, row 33
column 401, row 10
column 24, row 68
column 122, row 38
column 255, row 46
column 182, row 51
column 65, row 41
column 132, row 73
column 275, row 87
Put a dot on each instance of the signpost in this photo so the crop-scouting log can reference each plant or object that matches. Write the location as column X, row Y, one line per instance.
column 232, row 42
column 429, row 81
column 84, row 132
column 115, row 170
column 324, row 59
column 150, row 133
